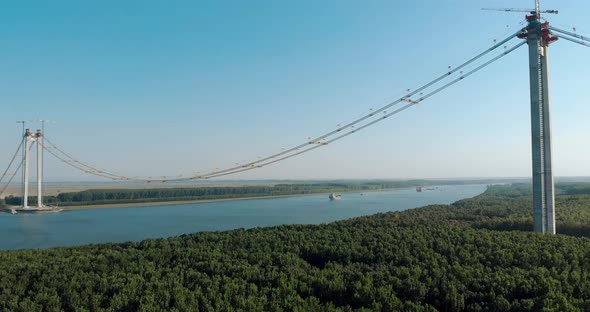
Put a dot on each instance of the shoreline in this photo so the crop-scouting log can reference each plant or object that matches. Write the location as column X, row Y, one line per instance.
column 163, row 203
column 198, row 201
column 175, row 202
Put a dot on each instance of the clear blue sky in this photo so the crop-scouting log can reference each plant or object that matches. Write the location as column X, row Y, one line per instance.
column 169, row 87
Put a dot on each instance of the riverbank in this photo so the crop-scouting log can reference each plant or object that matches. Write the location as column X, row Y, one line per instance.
column 56, row 188
column 85, row 196
column 197, row 201
column 178, row 202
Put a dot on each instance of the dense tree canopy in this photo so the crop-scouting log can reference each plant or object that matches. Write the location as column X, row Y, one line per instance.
column 475, row 255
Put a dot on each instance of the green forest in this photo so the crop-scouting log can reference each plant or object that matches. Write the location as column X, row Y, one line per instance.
column 478, row 254
column 143, row 195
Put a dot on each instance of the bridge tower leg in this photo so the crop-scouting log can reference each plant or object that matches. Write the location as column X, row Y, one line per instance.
column 39, row 137
column 28, row 139
column 538, row 38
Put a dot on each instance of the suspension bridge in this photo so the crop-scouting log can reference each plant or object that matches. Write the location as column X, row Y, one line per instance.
column 537, row 34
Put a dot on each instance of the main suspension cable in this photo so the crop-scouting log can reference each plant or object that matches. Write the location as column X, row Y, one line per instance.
column 574, row 40
column 77, row 164
column 12, row 160
column 72, row 160
column 581, row 40
column 569, row 33
column 316, row 142
column 367, row 116
column 12, row 177
column 379, row 119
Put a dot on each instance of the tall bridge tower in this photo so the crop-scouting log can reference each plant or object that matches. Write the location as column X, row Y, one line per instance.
column 538, row 37
column 29, row 139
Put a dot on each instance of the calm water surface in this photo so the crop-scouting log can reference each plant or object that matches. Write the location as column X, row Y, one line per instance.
column 79, row 227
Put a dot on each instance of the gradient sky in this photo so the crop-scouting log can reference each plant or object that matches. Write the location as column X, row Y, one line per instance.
column 175, row 87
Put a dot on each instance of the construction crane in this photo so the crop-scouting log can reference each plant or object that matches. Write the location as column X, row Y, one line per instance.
column 531, row 11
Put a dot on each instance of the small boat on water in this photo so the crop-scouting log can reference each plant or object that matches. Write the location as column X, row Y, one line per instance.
column 419, row 189
column 335, row 196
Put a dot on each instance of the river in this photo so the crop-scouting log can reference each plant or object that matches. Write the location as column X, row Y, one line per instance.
column 78, row 227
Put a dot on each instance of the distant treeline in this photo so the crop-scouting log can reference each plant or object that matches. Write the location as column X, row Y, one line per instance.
column 121, row 196
column 478, row 254
column 574, row 188
column 503, row 208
